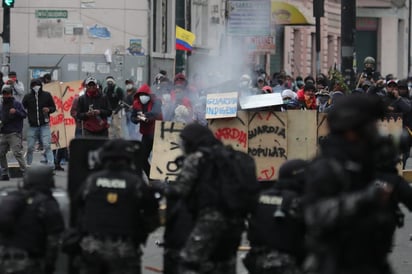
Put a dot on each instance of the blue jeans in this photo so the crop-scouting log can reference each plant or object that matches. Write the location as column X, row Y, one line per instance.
column 132, row 129
column 43, row 134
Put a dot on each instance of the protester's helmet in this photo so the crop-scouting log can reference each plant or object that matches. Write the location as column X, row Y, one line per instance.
column 39, row 176
column 369, row 62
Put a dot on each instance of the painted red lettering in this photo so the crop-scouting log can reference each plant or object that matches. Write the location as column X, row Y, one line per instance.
column 232, row 134
column 68, row 104
column 57, row 119
column 58, row 102
column 69, row 121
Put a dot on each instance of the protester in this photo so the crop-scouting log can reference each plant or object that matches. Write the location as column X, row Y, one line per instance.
column 11, row 128
column 18, row 86
column 114, row 94
column 39, row 105
column 147, row 108
column 132, row 128
column 93, row 110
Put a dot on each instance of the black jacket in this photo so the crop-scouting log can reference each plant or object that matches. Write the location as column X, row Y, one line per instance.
column 35, row 103
column 12, row 122
column 98, row 103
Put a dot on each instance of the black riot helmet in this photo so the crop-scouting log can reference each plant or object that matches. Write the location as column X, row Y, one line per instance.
column 38, row 177
column 195, row 135
column 357, row 112
column 117, row 150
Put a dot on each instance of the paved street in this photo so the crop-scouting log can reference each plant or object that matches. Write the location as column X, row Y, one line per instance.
column 152, row 259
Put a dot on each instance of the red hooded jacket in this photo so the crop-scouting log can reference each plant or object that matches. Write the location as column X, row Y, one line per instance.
column 152, row 110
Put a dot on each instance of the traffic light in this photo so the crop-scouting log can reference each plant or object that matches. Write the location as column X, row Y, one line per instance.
column 8, row 3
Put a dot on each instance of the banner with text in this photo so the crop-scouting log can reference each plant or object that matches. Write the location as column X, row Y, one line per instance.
column 232, row 131
column 70, row 90
column 221, row 105
column 62, row 125
column 57, row 128
column 268, row 142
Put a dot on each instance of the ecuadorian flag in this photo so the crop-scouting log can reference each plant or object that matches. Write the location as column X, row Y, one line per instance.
column 184, row 39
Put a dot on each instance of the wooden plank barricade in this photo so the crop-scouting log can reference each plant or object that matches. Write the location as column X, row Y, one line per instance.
column 165, row 150
column 270, row 138
column 232, row 131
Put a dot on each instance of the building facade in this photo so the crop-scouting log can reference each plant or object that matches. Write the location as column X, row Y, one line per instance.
column 290, row 46
column 383, row 32
column 76, row 38
column 136, row 38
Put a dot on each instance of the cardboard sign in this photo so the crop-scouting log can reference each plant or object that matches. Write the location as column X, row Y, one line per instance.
column 165, row 150
column 57, row 128
column 232, row 131
column 261, row 100
column 70, row 90
column 268, row 142
column 221, row 105
column 62, row 125
column 302, row 134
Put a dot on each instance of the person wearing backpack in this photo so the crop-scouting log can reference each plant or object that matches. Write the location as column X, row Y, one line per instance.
column 117, row 212
column 12, row 114
column 30, row 225
column 217, row 185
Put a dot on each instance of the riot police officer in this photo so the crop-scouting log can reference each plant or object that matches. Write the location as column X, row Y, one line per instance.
column 117, row 212
column 217, row 205
column 369, row 70
column 349, row 214
column 31, row 225
column 276, row 226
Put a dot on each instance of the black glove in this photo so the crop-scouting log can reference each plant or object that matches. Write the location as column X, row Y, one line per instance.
column 159, row 186
column 134, row 120
column 49, row 269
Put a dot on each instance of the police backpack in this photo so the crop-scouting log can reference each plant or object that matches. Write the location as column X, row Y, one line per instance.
column 235, row 173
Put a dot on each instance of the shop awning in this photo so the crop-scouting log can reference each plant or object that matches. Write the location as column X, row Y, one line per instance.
column 285, row 13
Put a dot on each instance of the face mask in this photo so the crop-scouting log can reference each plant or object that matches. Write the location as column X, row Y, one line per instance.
column 129, row 86
column 7, row 100
column 244, row 84
column 36, row 89
column 92, row 91
column 286, row 101
column 144, row 99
